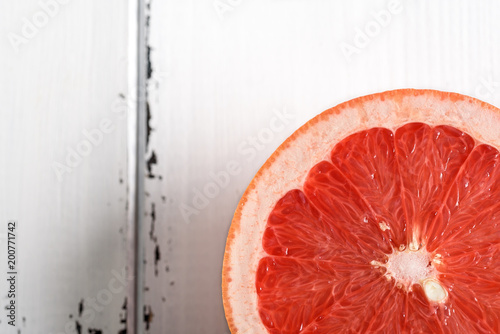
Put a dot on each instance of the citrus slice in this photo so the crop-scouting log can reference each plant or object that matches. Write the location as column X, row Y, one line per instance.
column 380, row 215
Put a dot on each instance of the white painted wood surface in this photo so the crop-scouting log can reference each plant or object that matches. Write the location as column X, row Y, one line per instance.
column 66, row 78
column 223, row 69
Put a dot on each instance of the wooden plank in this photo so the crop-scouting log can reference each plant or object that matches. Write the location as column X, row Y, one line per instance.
column 64, row 168
column 223, row 69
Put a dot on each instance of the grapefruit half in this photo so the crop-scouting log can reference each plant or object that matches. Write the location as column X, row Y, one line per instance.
column 379, row 215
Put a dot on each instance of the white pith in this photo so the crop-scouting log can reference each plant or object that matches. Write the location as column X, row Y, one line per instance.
column 290, row 167
column 409, row 267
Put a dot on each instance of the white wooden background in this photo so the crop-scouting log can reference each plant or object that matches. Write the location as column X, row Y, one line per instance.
column 66, row 72
column 224, row 72
column 230, row 80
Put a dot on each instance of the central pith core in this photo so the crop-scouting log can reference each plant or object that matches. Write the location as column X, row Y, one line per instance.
column 409, row 267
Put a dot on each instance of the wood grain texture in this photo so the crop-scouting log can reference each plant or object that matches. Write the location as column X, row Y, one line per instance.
column 222, row 70
column 69, row 76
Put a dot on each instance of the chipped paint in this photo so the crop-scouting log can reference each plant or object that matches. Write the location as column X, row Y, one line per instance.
column 152, row 160
column 148, row 316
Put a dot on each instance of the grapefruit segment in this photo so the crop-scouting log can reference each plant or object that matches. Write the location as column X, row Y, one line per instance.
column 429, row 159
column 356, row 313
column 295, row 229
column 361, row 158
column 378, row 216
column 340, row 203
column 294, row 292
column 472, row 207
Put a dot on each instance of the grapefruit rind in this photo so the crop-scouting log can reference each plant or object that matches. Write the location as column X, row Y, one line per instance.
column 288, row 166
